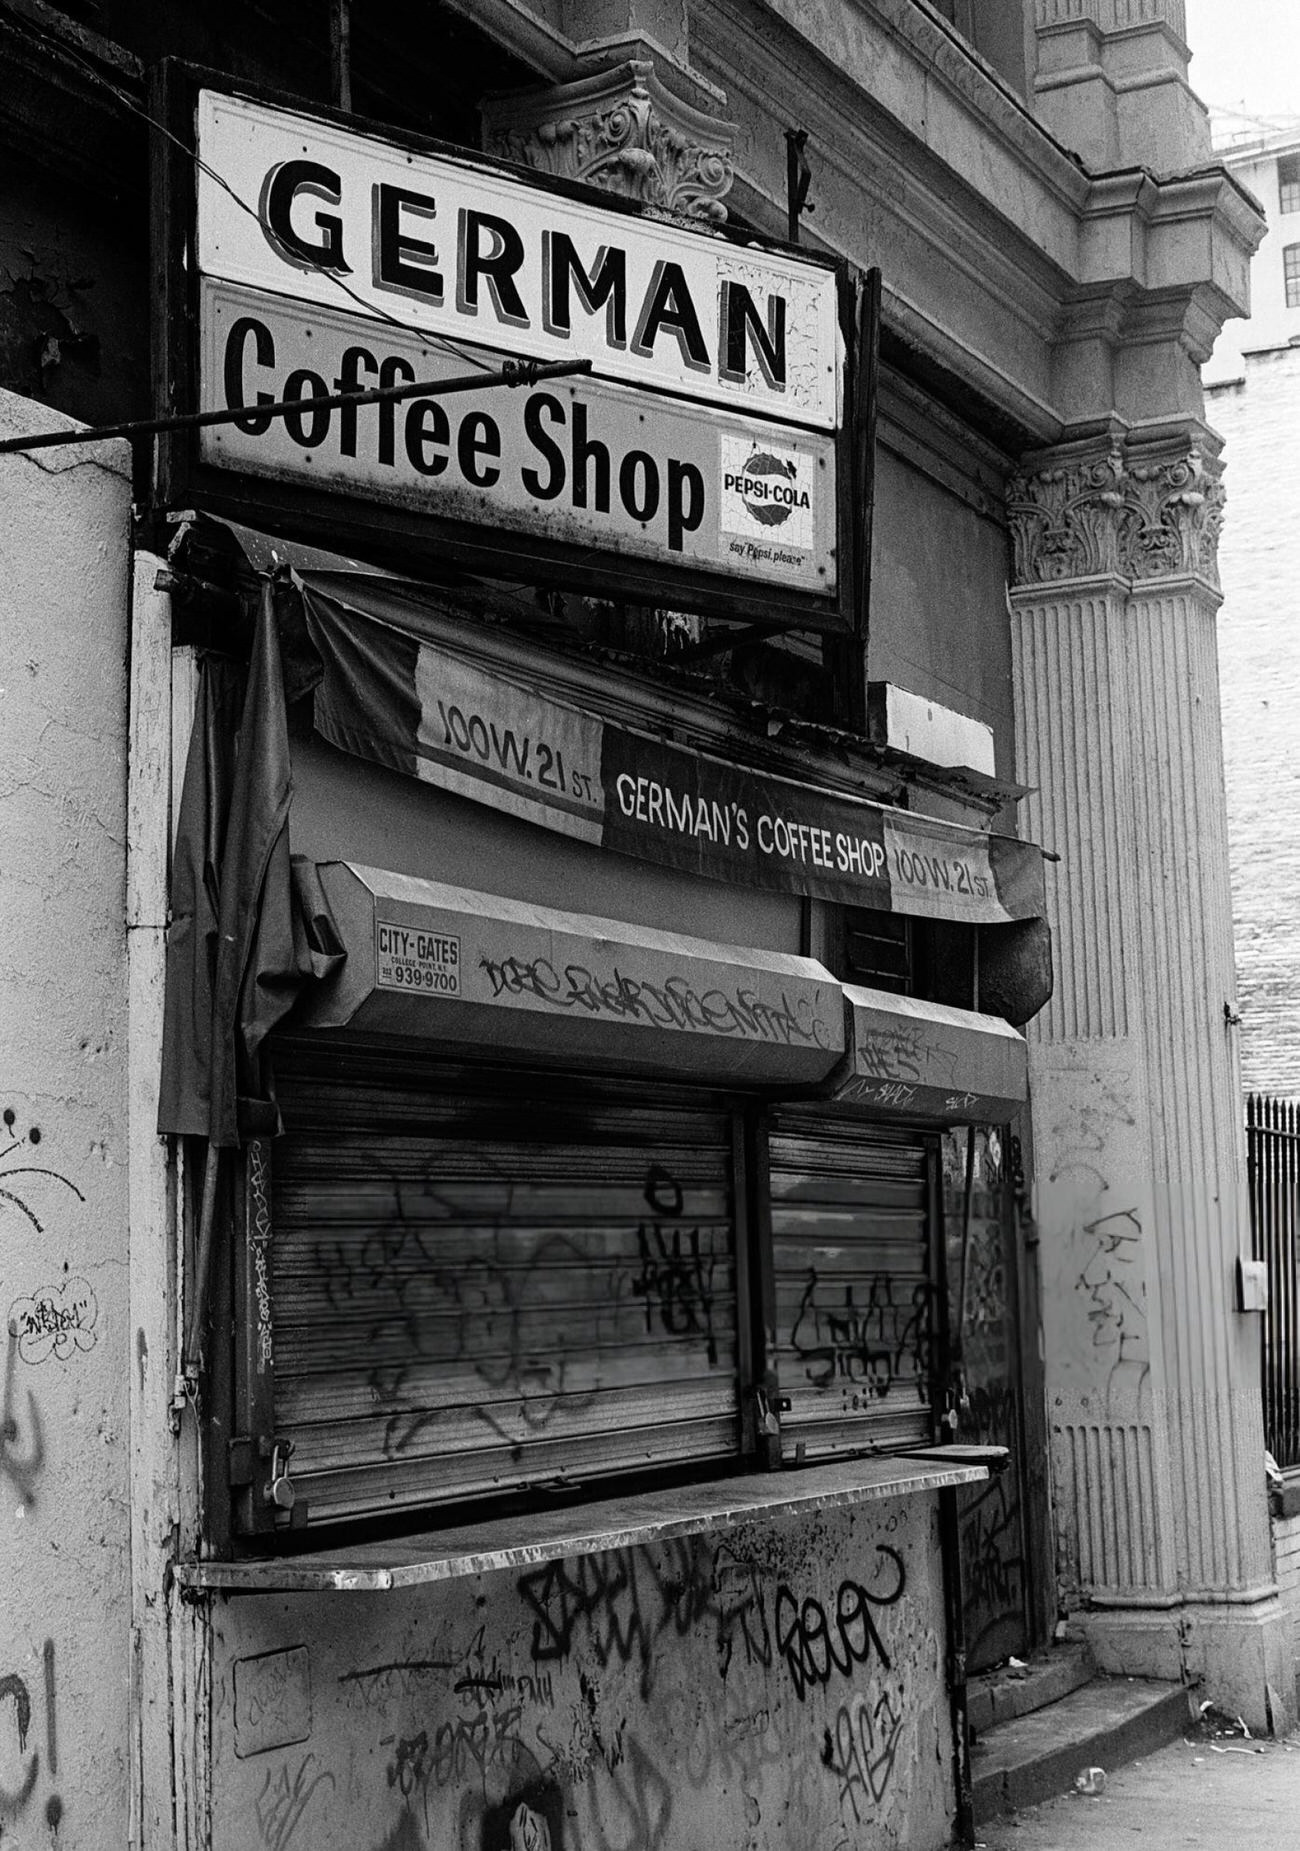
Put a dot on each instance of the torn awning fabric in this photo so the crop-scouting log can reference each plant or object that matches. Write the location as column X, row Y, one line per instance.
column 240, row 943
column 392, row 693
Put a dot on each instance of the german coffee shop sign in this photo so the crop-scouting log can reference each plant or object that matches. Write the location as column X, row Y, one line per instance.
column 704, row 455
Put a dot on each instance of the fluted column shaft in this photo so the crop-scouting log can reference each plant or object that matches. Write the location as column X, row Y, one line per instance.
column 1152, row 1374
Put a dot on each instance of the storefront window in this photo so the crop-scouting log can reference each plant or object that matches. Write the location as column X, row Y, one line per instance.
column 481, row 1286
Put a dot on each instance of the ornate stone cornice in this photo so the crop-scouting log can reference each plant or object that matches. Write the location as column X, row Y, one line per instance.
column 1117, row 516
column 621, row 130
column 1111, row 16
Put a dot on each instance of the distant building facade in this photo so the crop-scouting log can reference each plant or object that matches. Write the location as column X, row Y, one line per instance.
column 1253, row 400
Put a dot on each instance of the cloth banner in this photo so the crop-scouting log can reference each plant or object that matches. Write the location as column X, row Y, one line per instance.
column 399, row 698
column 248, row 931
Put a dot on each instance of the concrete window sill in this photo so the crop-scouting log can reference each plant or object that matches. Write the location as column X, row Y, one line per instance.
column 615, row 1523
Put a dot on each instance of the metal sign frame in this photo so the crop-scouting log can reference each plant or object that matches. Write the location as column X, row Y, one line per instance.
column 438, row 544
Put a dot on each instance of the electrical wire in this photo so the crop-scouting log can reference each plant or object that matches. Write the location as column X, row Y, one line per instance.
column 50, row 44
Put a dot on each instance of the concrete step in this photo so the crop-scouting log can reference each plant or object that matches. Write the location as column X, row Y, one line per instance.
column 999, row 1696
column 1105, row 1724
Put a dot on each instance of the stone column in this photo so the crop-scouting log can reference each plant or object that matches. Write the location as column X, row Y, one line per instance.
column 1112, row 83
column 1152, row 1374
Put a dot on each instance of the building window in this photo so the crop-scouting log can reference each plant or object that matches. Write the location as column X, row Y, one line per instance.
column 1288, row 183
column 1291, row 274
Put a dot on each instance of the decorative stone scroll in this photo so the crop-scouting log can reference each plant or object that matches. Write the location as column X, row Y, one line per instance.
column 1117, row 517
column 622, row 130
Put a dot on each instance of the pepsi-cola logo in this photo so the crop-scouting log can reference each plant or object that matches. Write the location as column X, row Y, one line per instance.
column 768, row 486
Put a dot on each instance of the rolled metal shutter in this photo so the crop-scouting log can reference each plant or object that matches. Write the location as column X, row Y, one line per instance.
column 483, row 1282
column 856, row 1286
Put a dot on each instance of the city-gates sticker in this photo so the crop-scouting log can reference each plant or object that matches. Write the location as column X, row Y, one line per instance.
column 423, row 963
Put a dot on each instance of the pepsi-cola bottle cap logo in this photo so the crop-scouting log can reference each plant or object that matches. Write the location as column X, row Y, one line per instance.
column 768, row 490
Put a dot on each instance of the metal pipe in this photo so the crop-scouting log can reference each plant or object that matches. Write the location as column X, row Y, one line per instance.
column 202, row 1267
column 512, row 373
column 341, row 54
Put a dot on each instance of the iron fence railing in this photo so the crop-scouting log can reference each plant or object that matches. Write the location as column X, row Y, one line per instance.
column 1273, row 1166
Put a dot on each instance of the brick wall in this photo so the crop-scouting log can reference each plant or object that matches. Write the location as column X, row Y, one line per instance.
column 1259, row 663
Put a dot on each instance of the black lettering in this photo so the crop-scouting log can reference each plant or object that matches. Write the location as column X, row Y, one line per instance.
column 401, row 262
column 280, row 189
column 738, row 319
column 393, row 369
column 543, row 405
column 264, row 355
column 685, row 501
column 668, row 307
column 589, row 450
column 355, row 361
column 478, row 437
column 604, row 286
column 309, row 424
column 645, row 506
column 497, row 265
column 426, row 428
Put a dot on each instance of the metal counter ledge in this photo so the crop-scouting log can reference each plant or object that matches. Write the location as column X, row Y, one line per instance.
column 614, row 1523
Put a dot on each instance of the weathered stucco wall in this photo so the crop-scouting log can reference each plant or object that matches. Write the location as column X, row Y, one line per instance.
column 64, row 1522
column 771, row 1687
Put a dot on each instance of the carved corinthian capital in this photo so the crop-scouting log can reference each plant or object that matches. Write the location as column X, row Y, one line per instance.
column 1064, row 520
column 1173, row 514
column 1119, row 516
column 622, row 130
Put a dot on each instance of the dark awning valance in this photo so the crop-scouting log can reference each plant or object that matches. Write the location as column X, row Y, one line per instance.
column 393, row 691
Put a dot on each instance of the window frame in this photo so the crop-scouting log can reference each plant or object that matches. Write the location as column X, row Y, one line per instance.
column 1291, row 274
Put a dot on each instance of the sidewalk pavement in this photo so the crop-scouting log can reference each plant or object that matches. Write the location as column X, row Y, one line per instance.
column 1194, row 1793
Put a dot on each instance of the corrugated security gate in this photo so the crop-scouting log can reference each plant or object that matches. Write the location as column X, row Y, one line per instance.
column 853, row 1262
column 481, row 1281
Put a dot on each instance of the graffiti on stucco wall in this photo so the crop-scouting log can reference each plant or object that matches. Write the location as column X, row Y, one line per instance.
column 17, row 1180
column 22, row 1440
column 817, row 1646
column 56, row 1320
column 20, row 1713
column 768, row 1686
column 285, row 1796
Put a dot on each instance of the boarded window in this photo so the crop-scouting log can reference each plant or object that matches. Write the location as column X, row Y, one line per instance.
column 458, row 1286
column 853, row 1268
column 490, row 1286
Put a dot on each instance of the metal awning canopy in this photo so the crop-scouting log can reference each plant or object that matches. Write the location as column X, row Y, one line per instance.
column 911, row 1059
column 430, row 961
